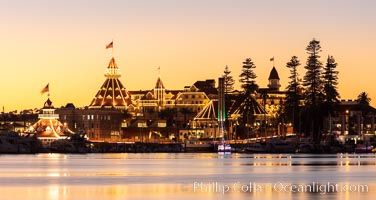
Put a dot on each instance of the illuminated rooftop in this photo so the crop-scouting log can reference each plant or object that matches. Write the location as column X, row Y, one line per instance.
column 112, row 93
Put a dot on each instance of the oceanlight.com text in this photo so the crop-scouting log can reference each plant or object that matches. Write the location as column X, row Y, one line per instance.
column 278, row 187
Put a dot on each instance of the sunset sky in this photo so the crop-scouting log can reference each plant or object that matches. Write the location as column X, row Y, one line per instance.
column 62, row 42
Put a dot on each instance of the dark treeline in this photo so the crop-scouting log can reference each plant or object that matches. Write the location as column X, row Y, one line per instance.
column 309, row 100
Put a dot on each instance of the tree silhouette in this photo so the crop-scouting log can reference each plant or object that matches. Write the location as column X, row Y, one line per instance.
column 293, row 95
column 248, row 83
column 331, row 95
column 228, row 80
column 364, row 99
column 312, row 116
column 248, row 76
column 312, row 79
column 330, row 77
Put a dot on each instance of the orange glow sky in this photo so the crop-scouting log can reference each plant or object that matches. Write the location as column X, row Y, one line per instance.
column 63, row 43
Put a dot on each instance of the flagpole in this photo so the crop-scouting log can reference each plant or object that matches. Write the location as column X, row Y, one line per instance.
column 272, row 59
column 112, row 47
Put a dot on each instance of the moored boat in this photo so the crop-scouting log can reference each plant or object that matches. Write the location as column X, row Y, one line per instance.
column 224, row 147
column 196, row 145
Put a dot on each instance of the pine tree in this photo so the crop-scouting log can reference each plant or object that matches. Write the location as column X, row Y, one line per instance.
column 330, row 77
column 331, row 95
column 312, row 112
column 293, row 93
column 248, row 76
column 312, row 79
column 248, row 83
column 228, row 80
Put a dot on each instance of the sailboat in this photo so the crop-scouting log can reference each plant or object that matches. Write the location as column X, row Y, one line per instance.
column 222, row 146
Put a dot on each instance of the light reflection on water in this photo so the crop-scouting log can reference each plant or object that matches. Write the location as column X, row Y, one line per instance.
column 172, row 176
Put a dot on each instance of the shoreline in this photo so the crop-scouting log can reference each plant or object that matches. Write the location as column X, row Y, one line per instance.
column 138, row 147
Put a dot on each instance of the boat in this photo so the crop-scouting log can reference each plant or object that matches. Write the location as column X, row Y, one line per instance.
column 226, row 148
column 197, row 145
column 223, row 146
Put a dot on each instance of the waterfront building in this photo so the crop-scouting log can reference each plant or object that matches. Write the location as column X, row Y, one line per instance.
column 49, row 128
column 263, row 108
column 237, row 126
column 272, row 98
column 106, row 114
column 99, row 124
column 115, row 113
column 149, row 102
column 353, row 121
column 172, row 108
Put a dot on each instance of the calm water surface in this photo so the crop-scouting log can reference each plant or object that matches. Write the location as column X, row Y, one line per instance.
column 187, row 176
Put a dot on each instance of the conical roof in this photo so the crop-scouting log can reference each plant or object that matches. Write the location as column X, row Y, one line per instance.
column 112, row 93
column 159, row 83
column 48, row 104
column 51, row 128
column 112, row 64
column 273, row 74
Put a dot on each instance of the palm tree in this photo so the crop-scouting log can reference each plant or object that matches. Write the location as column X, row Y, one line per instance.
column 364, row 101
column 363, row 98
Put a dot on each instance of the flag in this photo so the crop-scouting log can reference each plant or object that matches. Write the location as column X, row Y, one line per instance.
column 110, row 45
column 272, row 58
column 45, row 89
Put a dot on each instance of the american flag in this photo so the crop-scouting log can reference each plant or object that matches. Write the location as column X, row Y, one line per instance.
column 45, row 89
column 111, row 45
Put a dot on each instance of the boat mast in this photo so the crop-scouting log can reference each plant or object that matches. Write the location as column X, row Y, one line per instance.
column 221, row 107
